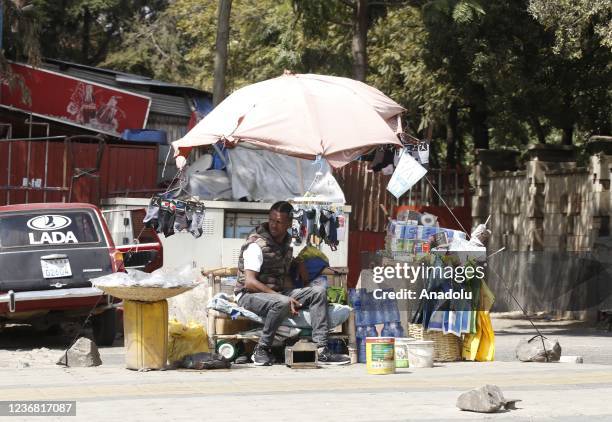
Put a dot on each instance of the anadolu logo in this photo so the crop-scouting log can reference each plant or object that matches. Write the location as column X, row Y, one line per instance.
column 49, row 222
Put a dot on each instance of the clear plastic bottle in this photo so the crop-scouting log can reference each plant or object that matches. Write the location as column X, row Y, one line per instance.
column 387, row 330
column 386, row 307
column 366, row 308
column 393, row 314
column 355, row 300
column 361, row 344
column 371, row 331
column 398, row 330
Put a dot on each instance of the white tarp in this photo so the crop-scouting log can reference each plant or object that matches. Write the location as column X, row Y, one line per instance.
column 262, row 175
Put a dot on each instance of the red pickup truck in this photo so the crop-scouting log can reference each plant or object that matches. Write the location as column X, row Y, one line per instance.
column 48, row 254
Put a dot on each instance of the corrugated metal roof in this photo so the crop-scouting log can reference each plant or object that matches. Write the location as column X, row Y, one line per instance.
column 169, row 104
column 97, row 77
column 127, row 78
column 140, row 80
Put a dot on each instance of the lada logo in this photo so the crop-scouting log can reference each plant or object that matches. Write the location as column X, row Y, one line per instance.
column 49, row 222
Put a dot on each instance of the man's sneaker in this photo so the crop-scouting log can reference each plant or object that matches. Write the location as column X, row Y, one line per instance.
column 328, row 358
column 262, row 356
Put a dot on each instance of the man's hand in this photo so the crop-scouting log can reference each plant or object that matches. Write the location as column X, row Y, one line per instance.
column 295, row 306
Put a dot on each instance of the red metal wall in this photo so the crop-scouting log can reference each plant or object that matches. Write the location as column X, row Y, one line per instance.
column 125, row 170
column 361, row 242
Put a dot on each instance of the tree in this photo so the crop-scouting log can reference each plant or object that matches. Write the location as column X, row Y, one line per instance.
column 583, row 46
column 223, row 25
column 84, row 31
column 575, row 23
column 153, row 48
column 19, row 40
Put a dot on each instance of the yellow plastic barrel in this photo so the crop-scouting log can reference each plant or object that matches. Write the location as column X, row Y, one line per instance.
column 380, row 355
column 145, row 326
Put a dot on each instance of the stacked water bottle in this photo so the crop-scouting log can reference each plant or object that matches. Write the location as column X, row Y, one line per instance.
column 370, row 311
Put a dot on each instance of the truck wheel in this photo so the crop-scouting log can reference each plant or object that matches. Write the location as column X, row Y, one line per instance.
column 105, row 328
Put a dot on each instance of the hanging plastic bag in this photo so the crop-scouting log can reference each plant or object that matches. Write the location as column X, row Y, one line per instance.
column 184, row 340
column 486, row 348
column 480, row 346
column 471, row 342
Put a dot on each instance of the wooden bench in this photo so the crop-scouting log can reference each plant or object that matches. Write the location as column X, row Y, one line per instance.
column 221, row 327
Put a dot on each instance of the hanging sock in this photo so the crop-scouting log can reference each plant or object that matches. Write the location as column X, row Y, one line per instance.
column 333, row 232
column 151, row 218
column 323, row 220
column 166, row 218
column 311, row 223
column 180, row 217
column 196, row 228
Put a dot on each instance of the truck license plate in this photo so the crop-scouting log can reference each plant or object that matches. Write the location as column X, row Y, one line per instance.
column 55, row 268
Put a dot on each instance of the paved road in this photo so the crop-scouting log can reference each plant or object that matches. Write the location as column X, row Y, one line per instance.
column 340, row 393
column 591, row 341
column 110, row 392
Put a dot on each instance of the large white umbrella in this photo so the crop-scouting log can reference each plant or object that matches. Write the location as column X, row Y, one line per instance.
column 304, row 116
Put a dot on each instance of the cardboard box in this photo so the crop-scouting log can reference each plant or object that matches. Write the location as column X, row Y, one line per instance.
column 232, row 326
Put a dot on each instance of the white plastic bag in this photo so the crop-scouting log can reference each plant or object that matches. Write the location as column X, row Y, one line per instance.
column 184, row 276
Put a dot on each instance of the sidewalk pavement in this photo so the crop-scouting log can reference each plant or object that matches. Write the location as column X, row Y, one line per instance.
column 553, row 391
column 110, row 392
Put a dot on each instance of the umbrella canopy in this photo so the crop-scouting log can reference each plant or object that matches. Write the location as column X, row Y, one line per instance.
column 302, row 115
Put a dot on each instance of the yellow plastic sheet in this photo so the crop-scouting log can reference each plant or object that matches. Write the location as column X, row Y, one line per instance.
column 481, row 345
column 185, row 340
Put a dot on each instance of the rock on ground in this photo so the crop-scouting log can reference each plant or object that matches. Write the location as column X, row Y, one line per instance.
column 83, row 353
column 532, row 350
column 486, row 399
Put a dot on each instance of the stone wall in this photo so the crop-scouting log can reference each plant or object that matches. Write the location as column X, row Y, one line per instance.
column 553, row 220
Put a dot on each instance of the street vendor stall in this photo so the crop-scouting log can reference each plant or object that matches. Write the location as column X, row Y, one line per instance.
column 432, row 281
column 318, row 121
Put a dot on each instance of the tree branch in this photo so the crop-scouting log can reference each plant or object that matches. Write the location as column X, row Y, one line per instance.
column 157, row 47
column 349, row 3
column 347, row 25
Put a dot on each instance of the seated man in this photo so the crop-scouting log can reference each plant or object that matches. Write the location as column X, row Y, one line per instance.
column 263, row 268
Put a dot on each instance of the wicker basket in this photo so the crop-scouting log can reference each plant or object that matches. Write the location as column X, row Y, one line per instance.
column 143, row 294
column 447, row 347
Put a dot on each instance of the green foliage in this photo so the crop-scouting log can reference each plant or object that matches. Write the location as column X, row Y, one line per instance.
column 266, row 37
column 575, row 23
column 20, row 41
column 21, row 31
column 397, row 67
column 152, row 48
column 84, row 31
